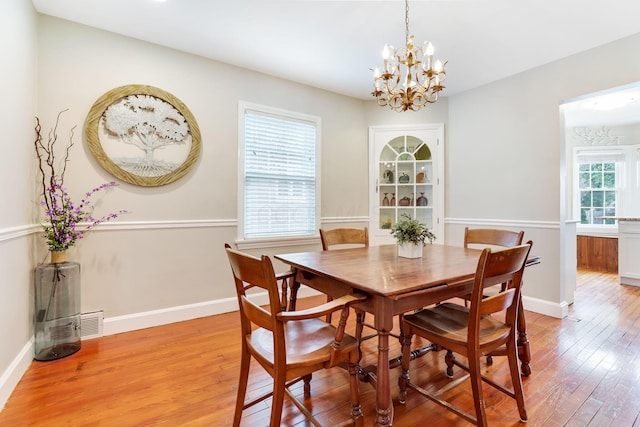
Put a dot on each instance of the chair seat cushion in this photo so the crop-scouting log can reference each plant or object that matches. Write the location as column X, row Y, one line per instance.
column 451, row 321
column 308, row 342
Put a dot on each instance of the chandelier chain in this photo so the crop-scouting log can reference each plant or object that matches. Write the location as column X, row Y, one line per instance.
column 406, row 21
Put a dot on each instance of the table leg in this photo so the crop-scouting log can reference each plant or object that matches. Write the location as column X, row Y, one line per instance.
column 524, row 348
column 383, row 310
column 294, row 285
column 384, row 405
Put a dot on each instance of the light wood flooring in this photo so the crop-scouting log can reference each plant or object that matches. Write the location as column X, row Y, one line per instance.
column 586, row 372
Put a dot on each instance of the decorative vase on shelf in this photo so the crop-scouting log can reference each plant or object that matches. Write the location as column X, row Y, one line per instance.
column 410, row 250
column 57, row 308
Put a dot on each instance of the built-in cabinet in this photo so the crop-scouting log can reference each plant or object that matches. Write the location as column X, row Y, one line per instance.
column 406, row 178
column 597, row 253
column 628, row 250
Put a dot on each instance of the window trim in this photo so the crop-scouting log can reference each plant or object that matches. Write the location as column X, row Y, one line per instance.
column 250, row 243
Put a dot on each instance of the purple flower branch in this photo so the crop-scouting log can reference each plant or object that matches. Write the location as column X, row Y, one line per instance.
column 61, row 231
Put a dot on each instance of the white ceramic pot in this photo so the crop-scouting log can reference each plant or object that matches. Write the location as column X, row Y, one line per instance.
column 410, row 250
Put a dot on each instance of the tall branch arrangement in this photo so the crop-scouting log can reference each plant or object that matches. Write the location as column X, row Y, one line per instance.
column 61, row 231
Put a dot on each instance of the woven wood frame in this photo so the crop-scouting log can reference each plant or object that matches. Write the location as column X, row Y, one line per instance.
column 93, row 138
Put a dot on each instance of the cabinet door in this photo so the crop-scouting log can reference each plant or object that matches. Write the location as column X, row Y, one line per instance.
column 406, row 178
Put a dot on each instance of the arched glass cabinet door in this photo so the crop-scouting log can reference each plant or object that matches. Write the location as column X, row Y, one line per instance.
column 406, row 170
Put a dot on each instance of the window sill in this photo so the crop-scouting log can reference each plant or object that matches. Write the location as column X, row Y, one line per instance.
column 278, row 242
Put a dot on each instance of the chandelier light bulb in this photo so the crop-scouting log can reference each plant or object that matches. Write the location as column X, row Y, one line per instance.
column 429, row 49
column 386, row 51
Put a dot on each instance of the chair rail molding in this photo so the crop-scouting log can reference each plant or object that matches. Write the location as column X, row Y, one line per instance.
column 503, row 223
column 10, row 233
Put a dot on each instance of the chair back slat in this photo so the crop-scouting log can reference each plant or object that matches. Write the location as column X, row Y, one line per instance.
column 492, row 237
column 344, row 236
column 256, row 314
column 252, row 272
column 498, row 302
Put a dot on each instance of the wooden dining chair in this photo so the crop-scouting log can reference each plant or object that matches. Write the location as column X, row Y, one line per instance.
column 336, row 238
column 493, row 238
column 289, row 345
column 496, row 239
column 474, row 331
column 333, row 238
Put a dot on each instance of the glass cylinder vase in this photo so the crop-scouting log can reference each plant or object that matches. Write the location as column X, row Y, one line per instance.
column 57, row 310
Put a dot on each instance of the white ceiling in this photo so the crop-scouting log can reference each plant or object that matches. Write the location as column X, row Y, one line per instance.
column 333, row 44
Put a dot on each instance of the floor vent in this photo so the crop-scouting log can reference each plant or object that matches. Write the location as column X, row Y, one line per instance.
column 91, row 325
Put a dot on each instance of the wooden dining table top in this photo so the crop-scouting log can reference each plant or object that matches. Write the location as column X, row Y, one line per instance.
column 378, row 270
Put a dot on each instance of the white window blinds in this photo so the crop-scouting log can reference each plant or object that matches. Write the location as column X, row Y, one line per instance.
column 279, row 176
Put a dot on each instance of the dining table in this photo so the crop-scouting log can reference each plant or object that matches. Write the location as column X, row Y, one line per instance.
column 393, row 285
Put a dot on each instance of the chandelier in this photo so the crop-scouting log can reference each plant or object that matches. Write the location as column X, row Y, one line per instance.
column 421, row 77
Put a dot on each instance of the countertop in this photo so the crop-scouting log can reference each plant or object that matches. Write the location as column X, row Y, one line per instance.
column 620, row 218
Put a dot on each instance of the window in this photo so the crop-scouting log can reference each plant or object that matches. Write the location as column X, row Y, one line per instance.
column 599, row 182
column 279, row 184
column 598, row 194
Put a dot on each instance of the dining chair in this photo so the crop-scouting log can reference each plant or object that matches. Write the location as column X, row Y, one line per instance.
column 494, row 238
column 335, row 238
column 289, row 345
column 330, row 238
column 489, row 323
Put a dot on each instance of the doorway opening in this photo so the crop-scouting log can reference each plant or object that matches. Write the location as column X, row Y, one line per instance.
column 601, row 179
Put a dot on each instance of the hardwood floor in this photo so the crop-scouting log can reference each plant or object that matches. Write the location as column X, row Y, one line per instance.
column 586, row 371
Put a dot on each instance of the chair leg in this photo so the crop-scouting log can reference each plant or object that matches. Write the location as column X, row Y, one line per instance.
column 403, row 380
column 356, row 408
column 449, row 358
column 476, row 388
column 279, row 381
column 360, row 315
column 307, row 385
column 516, row 379
column 245, row 363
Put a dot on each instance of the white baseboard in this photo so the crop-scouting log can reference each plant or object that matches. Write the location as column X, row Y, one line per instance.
column 11, row 376
column 548, row 308
column 148, row 319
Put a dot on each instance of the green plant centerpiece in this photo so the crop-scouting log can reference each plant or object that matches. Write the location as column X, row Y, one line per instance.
column 411, row 236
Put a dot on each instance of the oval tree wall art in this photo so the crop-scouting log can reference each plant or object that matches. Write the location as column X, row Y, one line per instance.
column 143, row 135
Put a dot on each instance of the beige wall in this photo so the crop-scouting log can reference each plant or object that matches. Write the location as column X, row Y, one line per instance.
column 156, row 262
column 18, row 30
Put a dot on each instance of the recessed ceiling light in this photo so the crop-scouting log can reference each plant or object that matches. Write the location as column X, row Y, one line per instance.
column 611, row 102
